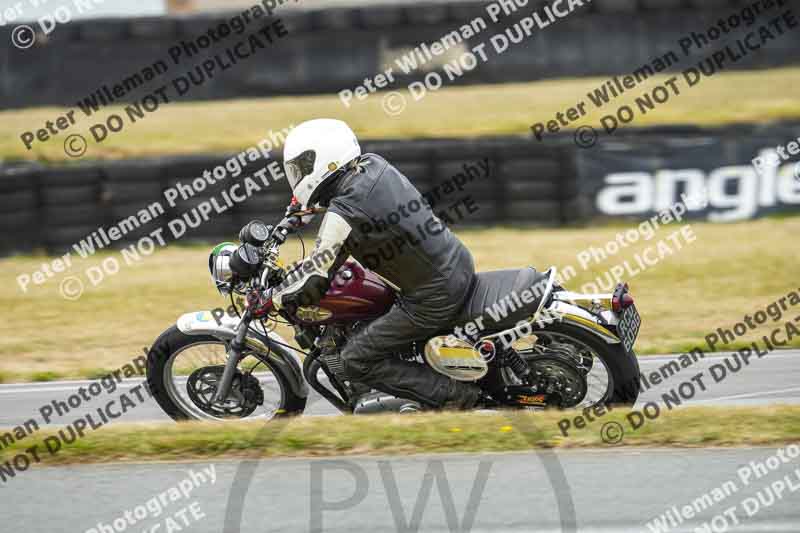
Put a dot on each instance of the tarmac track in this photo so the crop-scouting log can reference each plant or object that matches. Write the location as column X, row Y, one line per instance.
column 609, row 490
column 774, row 379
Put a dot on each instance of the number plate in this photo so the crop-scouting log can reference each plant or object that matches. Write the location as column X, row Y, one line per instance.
column 628, row 327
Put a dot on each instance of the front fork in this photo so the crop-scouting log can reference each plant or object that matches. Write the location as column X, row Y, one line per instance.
column 235, row 350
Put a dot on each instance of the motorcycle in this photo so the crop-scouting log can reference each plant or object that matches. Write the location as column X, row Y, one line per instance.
column 549, row 347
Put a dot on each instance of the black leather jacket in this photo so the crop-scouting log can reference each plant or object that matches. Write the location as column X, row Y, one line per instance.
column 393, row 232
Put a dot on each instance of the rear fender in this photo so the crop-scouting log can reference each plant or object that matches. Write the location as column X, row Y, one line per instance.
column 562, row 308
column 578, row 316
column 265, row 343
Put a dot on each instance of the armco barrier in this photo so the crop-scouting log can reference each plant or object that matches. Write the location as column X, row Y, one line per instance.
column 328, row 50
column 633, row 174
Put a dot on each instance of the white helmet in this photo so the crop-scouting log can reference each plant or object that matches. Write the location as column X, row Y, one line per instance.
column 314, row 151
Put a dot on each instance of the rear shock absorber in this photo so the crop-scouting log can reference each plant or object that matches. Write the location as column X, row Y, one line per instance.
column 518, row 365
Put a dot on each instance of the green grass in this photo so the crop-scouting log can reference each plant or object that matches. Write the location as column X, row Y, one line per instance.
column 477, row 110
column 46, row 375
column 731, row 270
column 96, row 373
column 419, row 433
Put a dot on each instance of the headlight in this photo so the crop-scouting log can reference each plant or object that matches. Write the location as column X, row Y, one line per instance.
column 219, row 264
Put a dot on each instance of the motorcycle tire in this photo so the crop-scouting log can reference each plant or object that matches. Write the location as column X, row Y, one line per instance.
column 173, row 340
column 622, row 366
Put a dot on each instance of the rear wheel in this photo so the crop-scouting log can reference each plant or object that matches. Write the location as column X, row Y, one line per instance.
column 563, row 353
column 183, row 370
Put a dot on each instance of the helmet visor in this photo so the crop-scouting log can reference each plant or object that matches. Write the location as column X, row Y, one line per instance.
column 300, row 167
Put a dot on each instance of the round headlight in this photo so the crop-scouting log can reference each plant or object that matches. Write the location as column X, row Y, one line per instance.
column 219, row 264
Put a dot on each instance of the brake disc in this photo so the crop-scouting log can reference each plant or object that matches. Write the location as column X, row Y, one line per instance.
column 245, row 396
column 560, row 378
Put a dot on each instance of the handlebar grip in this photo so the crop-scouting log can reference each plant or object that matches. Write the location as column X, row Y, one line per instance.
column 281, row 231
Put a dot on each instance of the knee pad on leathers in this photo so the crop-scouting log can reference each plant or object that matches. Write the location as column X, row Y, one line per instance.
column 354, row 368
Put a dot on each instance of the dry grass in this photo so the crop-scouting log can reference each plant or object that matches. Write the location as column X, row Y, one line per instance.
column 731, row 270
column 195, row 127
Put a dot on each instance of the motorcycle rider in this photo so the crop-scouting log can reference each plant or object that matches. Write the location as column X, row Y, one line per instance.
column 413, row 250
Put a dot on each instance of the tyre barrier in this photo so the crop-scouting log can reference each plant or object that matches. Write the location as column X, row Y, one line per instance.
column 479, row 181
column 54, row 207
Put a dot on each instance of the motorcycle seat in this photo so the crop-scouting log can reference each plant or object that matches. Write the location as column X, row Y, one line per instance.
column 497, row 297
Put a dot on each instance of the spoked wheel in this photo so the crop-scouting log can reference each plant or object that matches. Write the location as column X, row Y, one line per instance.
column 559, row 379
column 580, row 368
column 183, row 372
column 245, row 397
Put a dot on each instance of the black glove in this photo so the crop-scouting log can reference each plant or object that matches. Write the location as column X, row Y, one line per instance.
column 297, row 221
column 290, row 304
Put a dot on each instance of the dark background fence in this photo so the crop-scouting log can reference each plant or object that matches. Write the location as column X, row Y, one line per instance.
column 331, row 49
column 54, row 207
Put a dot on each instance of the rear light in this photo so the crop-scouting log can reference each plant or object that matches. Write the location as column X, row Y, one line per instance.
column 621, row 298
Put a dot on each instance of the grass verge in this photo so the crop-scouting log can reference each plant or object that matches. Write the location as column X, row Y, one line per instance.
column 729, row 271
column 508, row 109
column 421, row 433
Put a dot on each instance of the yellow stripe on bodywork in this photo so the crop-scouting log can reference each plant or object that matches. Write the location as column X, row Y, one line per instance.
column 455, row 352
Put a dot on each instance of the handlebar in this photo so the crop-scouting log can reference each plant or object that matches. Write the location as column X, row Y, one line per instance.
column 291, row 223
column 260, row 246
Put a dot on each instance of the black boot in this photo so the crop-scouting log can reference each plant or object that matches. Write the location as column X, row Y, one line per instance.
column 462, row 396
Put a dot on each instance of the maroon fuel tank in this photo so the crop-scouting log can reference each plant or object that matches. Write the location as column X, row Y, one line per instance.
column 354, row 294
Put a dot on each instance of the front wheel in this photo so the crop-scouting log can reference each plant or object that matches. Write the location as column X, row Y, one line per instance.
column 183, row 370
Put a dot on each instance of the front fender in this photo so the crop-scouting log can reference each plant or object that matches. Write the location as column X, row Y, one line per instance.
column 266, row 343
